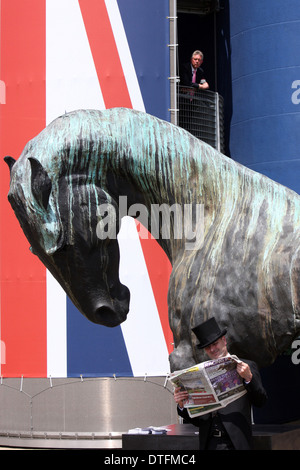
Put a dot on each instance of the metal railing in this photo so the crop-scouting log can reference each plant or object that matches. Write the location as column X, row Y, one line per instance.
column 201, row 113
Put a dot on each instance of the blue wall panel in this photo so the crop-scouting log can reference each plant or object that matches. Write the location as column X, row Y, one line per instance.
column 94, row 350
column 264, row 133
column 265, row 60
column 147, row 29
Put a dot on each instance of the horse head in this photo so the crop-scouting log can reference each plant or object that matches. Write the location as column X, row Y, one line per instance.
column 58, row 210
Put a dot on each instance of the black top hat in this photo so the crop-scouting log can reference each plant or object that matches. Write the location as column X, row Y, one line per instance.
column 208, row 332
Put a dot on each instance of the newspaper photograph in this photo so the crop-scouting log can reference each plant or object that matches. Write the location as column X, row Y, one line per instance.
column 211, row 384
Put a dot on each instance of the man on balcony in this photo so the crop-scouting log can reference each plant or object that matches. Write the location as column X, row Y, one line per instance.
column 192, row 75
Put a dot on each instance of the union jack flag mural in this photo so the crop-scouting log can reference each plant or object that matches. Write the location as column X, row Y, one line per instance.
column 57, row 56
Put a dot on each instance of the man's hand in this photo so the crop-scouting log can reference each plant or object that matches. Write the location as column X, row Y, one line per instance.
column 180, row 396
column 244, row 371
column 203, row 85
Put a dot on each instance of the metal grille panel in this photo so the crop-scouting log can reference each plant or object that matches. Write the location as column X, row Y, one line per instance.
column 201, row 113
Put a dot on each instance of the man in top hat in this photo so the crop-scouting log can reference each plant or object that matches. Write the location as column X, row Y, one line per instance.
column 230, row 427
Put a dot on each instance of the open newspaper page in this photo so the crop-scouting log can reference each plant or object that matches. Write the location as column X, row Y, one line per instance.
column 211, row 385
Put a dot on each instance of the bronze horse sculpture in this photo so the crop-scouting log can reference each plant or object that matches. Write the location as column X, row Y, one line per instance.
column 246, row 270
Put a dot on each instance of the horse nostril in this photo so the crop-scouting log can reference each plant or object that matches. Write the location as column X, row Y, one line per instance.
column 110, row 315
column 106, row 316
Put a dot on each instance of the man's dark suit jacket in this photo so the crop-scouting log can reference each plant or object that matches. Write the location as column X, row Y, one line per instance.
column 236, row 417
column 186, row 76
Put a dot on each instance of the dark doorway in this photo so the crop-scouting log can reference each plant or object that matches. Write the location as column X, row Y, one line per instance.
column 210, row 33
column 198, row 32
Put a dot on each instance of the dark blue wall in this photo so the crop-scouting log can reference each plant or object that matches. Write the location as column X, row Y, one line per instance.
column 264, row 100
column 265, row 66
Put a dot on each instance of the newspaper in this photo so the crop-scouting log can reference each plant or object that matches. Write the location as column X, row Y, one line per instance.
column 211, row 385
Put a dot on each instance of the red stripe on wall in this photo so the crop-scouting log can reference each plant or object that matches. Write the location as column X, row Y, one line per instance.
column 159, row 270
column 105, row 54
column 23, row 277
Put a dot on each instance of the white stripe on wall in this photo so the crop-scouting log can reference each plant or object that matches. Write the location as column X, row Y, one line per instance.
column 125, row 55
column 142, row 331
column 56, row 329
column 71, row 78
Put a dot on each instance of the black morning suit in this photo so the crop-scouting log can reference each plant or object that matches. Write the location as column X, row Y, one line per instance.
column 235, row 417
column 186, row 76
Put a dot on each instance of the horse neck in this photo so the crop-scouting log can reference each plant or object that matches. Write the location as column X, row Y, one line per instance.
column 155, row 176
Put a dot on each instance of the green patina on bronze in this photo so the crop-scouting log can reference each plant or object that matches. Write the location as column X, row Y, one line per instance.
column 247, row 271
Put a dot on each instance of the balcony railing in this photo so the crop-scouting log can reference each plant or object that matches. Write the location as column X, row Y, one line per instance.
column 201, row 113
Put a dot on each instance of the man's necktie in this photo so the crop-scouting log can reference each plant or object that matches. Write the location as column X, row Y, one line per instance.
column 194, row 76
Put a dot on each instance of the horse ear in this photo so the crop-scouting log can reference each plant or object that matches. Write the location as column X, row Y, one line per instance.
column 10, row 162
column 40, row 183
